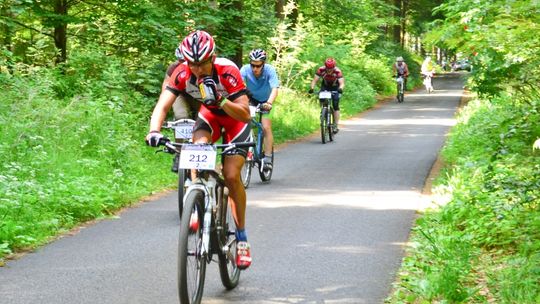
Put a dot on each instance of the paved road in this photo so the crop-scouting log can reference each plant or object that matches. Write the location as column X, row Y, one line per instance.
column 330, row 228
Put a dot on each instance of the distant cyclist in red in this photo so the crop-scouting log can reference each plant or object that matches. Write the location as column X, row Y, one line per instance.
column 332, row 80
column 224, row 105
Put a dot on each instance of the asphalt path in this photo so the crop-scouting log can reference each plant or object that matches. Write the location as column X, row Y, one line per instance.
column 331, row 227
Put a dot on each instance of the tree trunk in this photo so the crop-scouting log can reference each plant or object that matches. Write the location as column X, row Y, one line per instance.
column 397, row 25
column 6, row 41
column 60, row 30
column 279, row 12
column 238, row 6
column 404, row 7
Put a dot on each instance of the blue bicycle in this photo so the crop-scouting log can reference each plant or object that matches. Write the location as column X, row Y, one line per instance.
column 256, row 154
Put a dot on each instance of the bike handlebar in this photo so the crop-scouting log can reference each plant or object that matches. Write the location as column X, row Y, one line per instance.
column 172, row 147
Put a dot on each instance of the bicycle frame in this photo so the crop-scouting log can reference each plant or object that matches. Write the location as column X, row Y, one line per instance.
column 400, row 80
column 256, row 122
column 327, row 115
column 210, row 183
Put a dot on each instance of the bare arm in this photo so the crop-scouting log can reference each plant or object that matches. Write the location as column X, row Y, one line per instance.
column 238, row 108
column 314, row 81
column 273, row 95
column 165, row 82
column 341, row 82
column 165, row 101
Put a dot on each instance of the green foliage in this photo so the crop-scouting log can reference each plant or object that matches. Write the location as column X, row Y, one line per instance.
column 500, row 37
column 492, row 215
column 71, row 150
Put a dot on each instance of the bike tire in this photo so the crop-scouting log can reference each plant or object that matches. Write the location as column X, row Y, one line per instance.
column 266, row 174
column 183, row 175
column 324, row 127
column 191, row 267
column 247, row 168
column 228, row 271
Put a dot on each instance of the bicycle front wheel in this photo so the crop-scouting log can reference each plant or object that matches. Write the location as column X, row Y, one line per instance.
column 229, row 272
column 191, row 263
column 266, row 173
column 330, row 124
column 324, row 125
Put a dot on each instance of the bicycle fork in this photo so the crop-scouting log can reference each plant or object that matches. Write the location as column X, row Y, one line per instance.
column 209, row 202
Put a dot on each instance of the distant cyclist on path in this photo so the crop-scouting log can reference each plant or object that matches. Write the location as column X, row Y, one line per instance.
column 332, row 80
column 400, row 68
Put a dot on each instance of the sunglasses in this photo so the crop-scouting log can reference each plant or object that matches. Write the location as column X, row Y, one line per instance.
column 256, row 65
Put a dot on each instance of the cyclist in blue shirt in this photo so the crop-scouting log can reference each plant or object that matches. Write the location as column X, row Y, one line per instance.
column 262, row 82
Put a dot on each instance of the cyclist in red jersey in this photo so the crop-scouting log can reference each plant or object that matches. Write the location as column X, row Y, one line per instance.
column 218, row 85
column 332, row 80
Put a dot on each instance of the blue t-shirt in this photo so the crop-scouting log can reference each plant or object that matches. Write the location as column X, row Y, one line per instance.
column 260, row 87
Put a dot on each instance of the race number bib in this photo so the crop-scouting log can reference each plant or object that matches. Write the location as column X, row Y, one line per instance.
column 325, row 95
column 198, row 157
column 183, row 131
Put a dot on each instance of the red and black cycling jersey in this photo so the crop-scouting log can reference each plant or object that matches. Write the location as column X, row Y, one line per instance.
column 225, row 73
column 329, row 78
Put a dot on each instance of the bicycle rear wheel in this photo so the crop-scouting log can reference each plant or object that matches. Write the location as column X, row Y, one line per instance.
column 191, row 263
column 324, row 125
column 183, row 175
column 228, row 271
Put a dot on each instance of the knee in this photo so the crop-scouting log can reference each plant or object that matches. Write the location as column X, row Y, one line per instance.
column 231, row 178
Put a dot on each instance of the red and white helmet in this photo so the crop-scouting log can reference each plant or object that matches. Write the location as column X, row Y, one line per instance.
column 330, row 63
column 198, row 46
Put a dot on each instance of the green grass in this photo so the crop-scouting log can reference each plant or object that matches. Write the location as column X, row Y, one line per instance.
column 483, row 244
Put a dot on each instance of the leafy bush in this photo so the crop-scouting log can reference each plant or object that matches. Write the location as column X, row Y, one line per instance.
column 489, row 230
column 71, row 150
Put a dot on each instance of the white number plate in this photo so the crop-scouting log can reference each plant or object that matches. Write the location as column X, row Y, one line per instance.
column 183, row 131
column 198, row 157
column 325, row 95
column 252, row 111
column 399, row 80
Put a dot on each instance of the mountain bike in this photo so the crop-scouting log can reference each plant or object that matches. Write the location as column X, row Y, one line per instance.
column 328, row 127
column 183, row 129
column 400, row 88
column 256, row 154
column 207, row 226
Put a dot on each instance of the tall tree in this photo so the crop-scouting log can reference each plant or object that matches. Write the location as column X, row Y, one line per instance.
column 60, row 28
column 398, row 13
